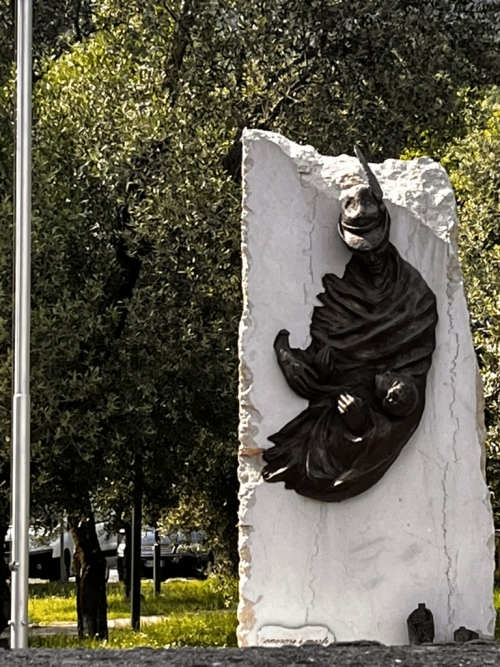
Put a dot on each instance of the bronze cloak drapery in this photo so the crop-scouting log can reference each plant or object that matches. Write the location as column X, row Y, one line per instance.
column 376, row 325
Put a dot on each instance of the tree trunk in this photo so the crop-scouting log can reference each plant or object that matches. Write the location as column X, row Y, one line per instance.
column 124, row 562
column 89, row 567
column 4, row 585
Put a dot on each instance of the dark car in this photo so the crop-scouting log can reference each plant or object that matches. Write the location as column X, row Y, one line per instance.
column 181, row 555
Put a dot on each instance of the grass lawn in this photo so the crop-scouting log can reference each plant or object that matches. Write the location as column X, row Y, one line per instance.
column 497, row 607
column 56, row 602
column 212, row 628
column 198, row 613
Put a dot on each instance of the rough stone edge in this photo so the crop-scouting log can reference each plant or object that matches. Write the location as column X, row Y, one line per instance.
column 319, row 171
column 248, row 415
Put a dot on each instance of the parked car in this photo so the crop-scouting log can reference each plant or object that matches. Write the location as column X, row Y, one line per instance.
column 181, row 555
column 45, row 552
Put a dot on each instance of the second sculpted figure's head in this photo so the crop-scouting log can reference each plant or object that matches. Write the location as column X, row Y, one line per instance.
column 364, row 221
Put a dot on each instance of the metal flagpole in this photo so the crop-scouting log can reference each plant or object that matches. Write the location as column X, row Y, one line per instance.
column 22, row 290
column 135, row 575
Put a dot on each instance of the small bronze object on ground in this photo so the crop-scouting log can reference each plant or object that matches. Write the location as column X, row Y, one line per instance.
column 364, row 372
column 421, row 625
column 463, row 635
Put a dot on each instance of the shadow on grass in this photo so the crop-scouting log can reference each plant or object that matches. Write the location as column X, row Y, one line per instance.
column 214, row 629
column 51, row 589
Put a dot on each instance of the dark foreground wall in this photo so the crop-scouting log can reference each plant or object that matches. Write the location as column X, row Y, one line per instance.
column 361, row 655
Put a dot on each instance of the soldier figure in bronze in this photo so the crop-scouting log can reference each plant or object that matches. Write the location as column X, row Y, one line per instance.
column 365, row 370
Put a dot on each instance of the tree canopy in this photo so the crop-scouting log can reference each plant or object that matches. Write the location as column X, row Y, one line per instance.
column 139, row 108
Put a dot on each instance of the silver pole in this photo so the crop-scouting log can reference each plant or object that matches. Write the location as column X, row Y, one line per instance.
column 22, row 290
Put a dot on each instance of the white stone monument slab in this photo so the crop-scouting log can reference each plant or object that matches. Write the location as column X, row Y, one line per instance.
column 424, row 532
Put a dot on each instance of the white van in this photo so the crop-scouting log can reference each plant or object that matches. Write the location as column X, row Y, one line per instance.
column 45, row 552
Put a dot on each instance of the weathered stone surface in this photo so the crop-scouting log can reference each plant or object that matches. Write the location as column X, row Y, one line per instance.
column 361, row 655
column 424, row 533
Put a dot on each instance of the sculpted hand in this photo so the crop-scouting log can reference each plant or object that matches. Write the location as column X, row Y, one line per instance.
column 351, row 409
column 399, row 395
column 325, row 363
column 301, row 377
column 281, row 340
column 382, row 383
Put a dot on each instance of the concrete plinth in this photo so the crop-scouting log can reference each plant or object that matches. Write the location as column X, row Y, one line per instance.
column 424, row 533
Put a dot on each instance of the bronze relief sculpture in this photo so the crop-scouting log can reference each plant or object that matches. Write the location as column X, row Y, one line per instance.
column 364, row 372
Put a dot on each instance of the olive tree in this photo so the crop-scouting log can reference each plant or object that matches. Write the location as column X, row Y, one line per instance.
column 136, row 289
